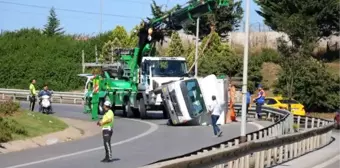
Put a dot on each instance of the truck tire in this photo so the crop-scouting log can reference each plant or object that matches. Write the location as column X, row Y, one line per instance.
column 127, row 110
column 136, row 112
column 101, row 105
column 142, row 108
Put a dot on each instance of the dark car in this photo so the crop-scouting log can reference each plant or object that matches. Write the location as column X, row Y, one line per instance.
column 337, row 119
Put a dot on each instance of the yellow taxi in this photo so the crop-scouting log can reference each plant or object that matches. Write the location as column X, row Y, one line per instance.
column 282, row 103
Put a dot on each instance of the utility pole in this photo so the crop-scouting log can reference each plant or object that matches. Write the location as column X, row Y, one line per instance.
column 245, row 75
column 101, row 16
column 196, row 52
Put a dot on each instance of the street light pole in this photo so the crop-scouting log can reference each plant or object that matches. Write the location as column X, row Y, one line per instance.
column 196, row 52
column 245, row 75
column 101, row 16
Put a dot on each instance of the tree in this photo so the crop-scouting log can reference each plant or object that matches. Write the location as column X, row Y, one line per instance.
column 108, row 50
column 157, row 12
column 133, row 37
column 224, row 19
column 305, row 22
column 190, row 48
column 121, row 35
column 53, row 25
column 217, row 58
column 175, row 48
column 306, row 79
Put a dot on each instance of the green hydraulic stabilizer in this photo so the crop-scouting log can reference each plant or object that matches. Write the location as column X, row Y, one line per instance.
column 122, row 87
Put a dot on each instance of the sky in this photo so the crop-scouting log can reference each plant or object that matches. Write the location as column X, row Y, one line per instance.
column 83, row 16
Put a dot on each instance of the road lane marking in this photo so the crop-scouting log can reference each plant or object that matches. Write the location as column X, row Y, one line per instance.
column 259, row 126
column 153, row 128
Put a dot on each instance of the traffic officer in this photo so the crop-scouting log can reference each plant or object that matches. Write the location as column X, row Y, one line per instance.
column 33, row 94
column 259, row 100
column 107, row 125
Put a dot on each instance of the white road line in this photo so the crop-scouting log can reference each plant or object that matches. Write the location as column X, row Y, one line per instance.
column 259, row 126
column 153, row 128
column 328, row 162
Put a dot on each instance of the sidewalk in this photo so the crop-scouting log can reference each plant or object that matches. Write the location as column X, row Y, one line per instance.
column 311, row 160
column 77, row 129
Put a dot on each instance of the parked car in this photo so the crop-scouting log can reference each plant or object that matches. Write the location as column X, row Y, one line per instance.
column 282, row 103
column 337, row 119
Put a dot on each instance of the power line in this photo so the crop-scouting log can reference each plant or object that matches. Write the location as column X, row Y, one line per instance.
column 69, row 17
column 71, row 10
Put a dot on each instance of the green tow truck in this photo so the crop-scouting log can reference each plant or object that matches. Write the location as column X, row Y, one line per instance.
column 127, row 82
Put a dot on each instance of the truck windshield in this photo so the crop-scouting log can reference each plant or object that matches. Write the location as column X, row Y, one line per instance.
column 169, row 68
column 195, row 97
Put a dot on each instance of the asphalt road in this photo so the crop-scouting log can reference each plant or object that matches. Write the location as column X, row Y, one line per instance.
column 334, row 162
column 134, row 143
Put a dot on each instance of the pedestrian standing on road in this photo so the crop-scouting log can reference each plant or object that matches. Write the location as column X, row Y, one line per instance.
column 33, row 94
column 259, row 100
column 107, row 128
column 215, row 111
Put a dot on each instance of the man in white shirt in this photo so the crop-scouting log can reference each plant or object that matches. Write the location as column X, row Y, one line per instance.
column 215, row 111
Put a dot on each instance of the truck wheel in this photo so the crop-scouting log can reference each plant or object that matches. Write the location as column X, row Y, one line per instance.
column 136, row 112
column 142, row 109
column 127, row 111
column 101, row 106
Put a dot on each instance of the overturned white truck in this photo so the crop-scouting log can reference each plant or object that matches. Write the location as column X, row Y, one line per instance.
column 187, row 100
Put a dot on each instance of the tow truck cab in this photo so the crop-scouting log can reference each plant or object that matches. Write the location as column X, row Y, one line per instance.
column 156, row 71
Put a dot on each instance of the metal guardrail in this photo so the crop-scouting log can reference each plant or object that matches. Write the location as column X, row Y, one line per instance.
column 264, row 148
column 59, row 97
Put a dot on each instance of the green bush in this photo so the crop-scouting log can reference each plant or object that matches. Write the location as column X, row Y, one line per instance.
column 266, row 55
column 8, row 107
column 28, row 54
column 9, row 127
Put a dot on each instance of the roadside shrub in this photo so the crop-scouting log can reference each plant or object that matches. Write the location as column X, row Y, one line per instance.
column 266, row 55
column 29, row 54
column 8, row 127
column 8, row 107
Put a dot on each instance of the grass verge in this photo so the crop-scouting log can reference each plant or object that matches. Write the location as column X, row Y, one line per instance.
column 37, row 124
column 25, row 124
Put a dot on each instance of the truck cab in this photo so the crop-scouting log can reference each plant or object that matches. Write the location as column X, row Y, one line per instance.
column 188, row 100
column 156, row 71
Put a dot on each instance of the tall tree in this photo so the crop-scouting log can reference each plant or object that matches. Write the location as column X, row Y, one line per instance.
column 156, row 10
column 133, row 36
column 224, row 19
column 121, row 35
column 305, row 22
column 217, row 58
column 176, row 46
column 53, row 24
